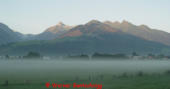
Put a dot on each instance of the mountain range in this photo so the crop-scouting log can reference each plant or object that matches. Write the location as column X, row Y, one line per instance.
column 94, row 36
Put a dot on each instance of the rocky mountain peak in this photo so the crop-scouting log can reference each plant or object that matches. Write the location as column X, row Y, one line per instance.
column 60, row 24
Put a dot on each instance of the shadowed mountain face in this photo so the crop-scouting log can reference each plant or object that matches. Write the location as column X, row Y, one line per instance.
column 7, row 35
column 89, row 38
column 117, row 42
column 142, row 31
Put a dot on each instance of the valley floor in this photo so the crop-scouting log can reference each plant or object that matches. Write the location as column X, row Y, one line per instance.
column 109, row 82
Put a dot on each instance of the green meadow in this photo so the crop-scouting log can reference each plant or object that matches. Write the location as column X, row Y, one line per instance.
column 132, row 74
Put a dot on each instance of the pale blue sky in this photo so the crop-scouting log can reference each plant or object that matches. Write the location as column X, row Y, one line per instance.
column 34, row 16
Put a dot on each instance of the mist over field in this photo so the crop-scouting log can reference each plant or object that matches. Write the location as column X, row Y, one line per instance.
column 55, row 68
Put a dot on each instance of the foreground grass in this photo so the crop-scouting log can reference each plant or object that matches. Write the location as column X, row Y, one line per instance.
column 108, row 82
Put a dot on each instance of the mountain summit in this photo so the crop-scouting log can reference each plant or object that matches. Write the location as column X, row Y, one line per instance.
column 52, row 32
column 58, row 28
column 60, row 24
column 93, row 22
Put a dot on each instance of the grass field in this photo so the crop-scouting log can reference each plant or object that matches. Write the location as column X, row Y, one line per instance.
column 108, row 82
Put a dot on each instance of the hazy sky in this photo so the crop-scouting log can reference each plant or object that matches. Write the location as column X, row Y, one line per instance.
column 34, row 16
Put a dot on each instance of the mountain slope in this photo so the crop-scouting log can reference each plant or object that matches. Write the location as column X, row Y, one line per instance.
column 142, row 31
column 107, row 43
column 51, row 32
column 87, row 39
column 92, row 28
column 7, row 35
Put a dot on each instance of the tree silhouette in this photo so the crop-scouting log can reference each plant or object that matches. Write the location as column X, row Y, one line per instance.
column 33, row 55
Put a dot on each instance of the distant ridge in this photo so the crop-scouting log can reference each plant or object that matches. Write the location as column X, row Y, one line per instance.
column 142, row 31
column 94, row 36
column 61, row 30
